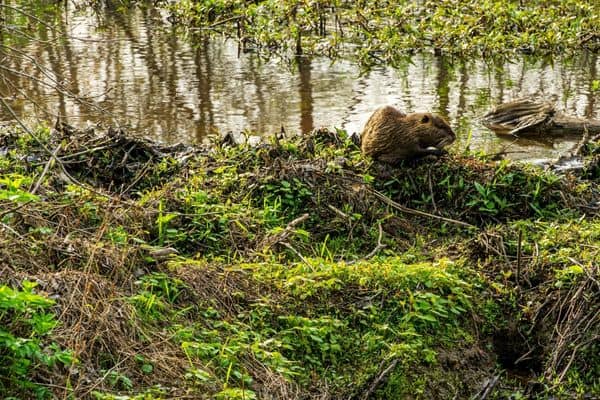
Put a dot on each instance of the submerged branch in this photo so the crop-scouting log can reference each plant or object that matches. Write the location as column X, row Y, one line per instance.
column 528, row 117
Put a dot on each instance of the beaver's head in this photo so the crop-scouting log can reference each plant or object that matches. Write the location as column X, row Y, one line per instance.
column 431, row 130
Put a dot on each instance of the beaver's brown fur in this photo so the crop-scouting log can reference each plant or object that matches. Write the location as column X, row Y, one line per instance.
column 391, row 136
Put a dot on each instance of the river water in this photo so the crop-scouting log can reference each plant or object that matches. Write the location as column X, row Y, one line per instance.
column 133, row 69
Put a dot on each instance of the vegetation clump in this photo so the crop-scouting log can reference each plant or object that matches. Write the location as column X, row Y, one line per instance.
column 385, row 32
column 293, row 269
column 23, row 348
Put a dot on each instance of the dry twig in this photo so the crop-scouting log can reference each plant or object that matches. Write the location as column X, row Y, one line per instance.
column 412, row 211
column 379, row 379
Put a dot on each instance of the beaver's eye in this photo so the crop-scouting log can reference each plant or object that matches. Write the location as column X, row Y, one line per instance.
column 425, row 119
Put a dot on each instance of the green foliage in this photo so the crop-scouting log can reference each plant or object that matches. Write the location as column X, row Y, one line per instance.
column 117, row 235
column 305, row 334
column 117, row 380
column 162, row 221
column 422, row 298
column 506, row 191
column 11, row 188
column 568, row 275
column 316, row 343
column 223, row 354
column 235, row 394
column 25, row 324
column 565, row 246
column 144, row 364
column 291, row 196
column 487, row 201
column 157, row 293
column 388, row 31
column 154, row 393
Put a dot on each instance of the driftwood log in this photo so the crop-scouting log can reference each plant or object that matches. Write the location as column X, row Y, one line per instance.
column 526, row 117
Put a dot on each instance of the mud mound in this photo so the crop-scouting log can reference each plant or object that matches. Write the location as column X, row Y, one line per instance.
column 115, row 161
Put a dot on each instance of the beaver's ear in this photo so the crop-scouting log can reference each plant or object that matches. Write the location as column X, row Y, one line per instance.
column 425, row 119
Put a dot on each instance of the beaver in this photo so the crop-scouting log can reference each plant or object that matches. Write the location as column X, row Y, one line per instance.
column 391, row 136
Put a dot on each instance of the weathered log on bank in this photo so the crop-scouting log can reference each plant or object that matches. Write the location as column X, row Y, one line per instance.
column 526, row 117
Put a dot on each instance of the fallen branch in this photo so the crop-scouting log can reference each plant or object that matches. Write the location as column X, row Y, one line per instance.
column 13, row 209
column 380, row 246
column 283, row 235
column 488, row 386
column 530, row 117
column 407, row 210
column 379, row 379
column 297, row 253
column 46, row 168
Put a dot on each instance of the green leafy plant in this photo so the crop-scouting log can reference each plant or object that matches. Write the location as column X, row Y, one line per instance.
column 10, row 188
column 292, row 195
column 118, row 380
column 317, row 343
column 162, row 223
column 25, row 324
column 157, row 293
column 487, row 200
column 236, row 394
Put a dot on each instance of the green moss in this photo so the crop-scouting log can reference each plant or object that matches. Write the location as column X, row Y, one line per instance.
column 303, row 332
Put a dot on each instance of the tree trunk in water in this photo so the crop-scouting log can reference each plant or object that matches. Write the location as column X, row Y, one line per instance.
column 525, row 117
